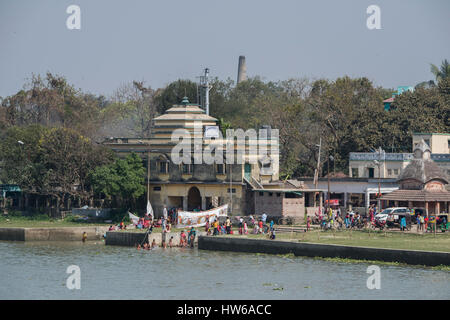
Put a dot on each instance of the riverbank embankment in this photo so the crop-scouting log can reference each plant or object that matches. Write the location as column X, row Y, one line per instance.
column 414, row 257
column 131, row 239
column 52, row 234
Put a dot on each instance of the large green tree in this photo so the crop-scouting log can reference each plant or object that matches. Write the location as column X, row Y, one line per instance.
column 123, row 179
column 50, row 161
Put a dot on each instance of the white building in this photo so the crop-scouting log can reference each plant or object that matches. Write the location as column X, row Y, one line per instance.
column 391, row 165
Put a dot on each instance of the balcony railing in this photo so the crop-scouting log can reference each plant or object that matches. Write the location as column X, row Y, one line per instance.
column 370, row 156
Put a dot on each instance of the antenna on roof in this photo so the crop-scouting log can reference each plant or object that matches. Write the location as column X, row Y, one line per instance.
column 204, row 91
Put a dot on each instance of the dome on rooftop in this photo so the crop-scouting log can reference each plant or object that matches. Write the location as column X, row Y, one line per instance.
column 185, row 100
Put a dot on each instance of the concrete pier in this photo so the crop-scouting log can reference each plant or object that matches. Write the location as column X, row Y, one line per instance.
column 131, row 239
column 414, row 257
column 52, row 234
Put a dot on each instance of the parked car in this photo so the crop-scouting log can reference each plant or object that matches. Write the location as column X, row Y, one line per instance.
column 385, row 213
column 382, row 216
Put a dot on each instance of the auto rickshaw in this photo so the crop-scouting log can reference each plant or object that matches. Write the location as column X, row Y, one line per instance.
column 442, row 223
column 393, row 219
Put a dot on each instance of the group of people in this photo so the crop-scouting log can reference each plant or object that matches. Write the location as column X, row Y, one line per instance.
column 187, row 239
column 332, row 219
column 226, row 227
column 216, row 228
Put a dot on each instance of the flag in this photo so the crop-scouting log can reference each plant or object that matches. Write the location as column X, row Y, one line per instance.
column 149, row 209
column 133, row 218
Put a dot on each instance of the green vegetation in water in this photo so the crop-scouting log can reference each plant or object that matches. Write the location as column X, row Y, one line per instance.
column 286, row 255
column 441, row 268
column 279, row 288
column 386, row 263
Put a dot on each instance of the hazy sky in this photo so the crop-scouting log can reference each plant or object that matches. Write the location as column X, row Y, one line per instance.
column 159, row 41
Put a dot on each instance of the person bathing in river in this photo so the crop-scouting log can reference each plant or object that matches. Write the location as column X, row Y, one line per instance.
column 192, row 235
column 84, row 237
column 153, row 243
column 171, row 242
column 182, row 239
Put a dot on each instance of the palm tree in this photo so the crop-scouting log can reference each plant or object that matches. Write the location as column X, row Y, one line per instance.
column 224, row 125
column 443, row 72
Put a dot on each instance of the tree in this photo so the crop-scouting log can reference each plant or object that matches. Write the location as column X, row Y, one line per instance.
column 131, row 111
column 20, row 158
column 124, row 179
column 350, row 113
column 50, row 161
column 441, row 73
column 174, row 94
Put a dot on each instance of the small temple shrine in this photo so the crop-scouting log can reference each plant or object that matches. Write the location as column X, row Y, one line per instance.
column 422, row 184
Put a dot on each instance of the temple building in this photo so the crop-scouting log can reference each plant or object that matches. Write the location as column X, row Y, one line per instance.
column 422, row 184
column 245, row 186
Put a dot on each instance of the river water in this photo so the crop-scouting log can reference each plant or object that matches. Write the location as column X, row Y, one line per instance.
column 37, row 270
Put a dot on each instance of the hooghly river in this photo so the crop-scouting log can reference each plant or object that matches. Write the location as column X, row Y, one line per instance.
column 38, row 271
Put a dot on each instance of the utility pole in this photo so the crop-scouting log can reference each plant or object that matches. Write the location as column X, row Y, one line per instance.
column 328, row 174
column 148, row 174
column 316, row 173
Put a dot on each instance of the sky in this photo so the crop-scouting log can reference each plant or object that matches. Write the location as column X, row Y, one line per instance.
column 159, row 41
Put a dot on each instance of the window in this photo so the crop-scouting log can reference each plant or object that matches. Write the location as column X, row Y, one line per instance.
column 448, row 173
column 448, row 142
column 355, row 173
column 389, row 172
column 156, row 188
column 371, row 172
column 427, row 141
column 270, row 194
column 163, row 167
column 220, row 169
column 396, row 171
column 278, row 194
column 261, row 194
column 234, row 190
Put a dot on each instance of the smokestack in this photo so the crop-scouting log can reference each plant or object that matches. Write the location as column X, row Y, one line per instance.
column 242, row 70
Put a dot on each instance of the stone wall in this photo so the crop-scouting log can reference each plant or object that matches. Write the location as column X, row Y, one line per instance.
column 131, row 239
column 414, row 257
column 52, row 234
column 12, row 234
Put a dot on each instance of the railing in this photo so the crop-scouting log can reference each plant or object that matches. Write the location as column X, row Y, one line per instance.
column 370, row 156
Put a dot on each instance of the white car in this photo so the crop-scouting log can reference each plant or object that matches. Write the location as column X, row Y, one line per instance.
column 383, row 215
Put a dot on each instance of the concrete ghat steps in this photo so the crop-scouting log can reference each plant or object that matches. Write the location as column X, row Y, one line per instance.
column 414, row 257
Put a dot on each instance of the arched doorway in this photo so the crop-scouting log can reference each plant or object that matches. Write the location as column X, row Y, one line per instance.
column 194, row 199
